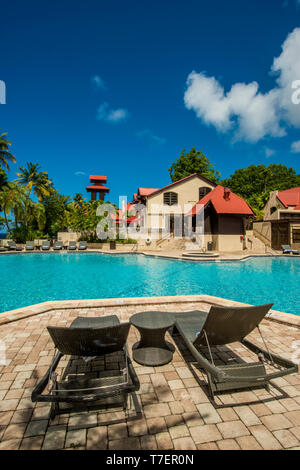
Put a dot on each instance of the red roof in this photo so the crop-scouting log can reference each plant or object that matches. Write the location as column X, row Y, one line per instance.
column 98, row 179
column 97, row 187
column 146, row 191
column 290, row 197
column 233, row 205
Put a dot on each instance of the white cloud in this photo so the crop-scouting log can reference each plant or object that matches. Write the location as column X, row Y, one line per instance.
column 250, row 114
column 105, row 113
column 295, row 147
column 98, row 82
column 269, row 152
column 148, row 134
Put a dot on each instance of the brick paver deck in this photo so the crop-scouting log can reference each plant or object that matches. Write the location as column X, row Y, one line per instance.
column 176, row 412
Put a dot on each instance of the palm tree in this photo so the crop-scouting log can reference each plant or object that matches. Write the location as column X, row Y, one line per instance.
column 5, row 154
column 33, row 178
column 78, row 200
column 12, row 199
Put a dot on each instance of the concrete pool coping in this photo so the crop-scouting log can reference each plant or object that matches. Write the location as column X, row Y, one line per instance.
column 165, row 254
column 44, row 307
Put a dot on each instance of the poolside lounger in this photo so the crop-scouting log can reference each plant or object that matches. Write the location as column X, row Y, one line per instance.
column 88, row 338
column 57, row 246
column 29, row 246
column 222, row 326
column 287, row 249
column 72, row 246
column 82, row 246
column 46, row 245
column 11, row 245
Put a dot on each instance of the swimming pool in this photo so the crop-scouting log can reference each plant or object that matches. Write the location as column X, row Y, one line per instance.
column 33, row 278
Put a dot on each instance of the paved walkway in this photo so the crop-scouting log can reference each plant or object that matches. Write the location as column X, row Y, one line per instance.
column 176, row 410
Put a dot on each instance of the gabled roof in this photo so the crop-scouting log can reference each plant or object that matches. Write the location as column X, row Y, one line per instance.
column 146, row 191
column 290, row 197
column 233, row 205
column 157, row 191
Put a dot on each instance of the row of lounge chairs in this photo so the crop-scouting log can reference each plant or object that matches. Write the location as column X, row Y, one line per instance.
column 45, row 246
column 201, row 332
column 57, row 246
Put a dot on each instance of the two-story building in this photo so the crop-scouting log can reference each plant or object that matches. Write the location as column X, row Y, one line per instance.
column 174, row 207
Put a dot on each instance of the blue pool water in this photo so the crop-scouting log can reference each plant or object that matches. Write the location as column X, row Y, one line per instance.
column 33, row 278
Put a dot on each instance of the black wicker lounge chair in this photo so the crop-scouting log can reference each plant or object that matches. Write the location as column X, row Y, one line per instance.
column 286, row 249
column 82, row 246
column 72, row 246
column 58, row 246
column 46, row 245
column 89, row 338
column 225, row 325
column 29, row 246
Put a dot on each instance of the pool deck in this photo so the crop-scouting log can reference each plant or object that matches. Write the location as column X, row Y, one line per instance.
column 176, row 411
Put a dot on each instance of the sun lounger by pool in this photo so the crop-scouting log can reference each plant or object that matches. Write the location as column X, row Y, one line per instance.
column 29, row 246
column 11, row 245
column 72, row 246
column 82, row 246
column 88, row 338
column 222, row 326
column 286, row 249
column 45, row 245
column 57, row 246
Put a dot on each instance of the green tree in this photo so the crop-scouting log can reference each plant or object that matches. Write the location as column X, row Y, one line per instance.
column 5, row 155
column 3, row 178
column 78, row 200
column 34, row 179
column 12, row 200
column 56, row 207
column 191, row 162
column 255, row 183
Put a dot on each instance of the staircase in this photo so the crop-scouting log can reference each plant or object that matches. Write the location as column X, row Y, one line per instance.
column 258, row 245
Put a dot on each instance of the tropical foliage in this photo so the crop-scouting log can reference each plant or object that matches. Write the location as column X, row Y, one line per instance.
column 191, row 162
column 32, row 208
column 256, row 182
column 5, row 155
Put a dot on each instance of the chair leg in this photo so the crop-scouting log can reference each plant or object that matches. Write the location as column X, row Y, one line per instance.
column 125, row 401
column 54, row 410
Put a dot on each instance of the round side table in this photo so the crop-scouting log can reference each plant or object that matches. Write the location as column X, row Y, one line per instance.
column 152, row 349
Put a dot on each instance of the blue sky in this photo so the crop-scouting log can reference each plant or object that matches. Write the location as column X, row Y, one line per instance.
column 120, row 88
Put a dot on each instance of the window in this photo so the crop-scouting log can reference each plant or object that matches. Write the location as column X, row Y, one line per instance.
column 170, row 198
column 273, row 209
column 296, row 235
column 203, row 191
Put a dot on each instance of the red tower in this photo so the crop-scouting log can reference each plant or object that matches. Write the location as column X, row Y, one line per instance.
column 97, row 187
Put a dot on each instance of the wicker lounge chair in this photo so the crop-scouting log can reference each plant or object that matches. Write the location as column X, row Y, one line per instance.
column 225, row 325
column 29, row 246
column 57, row 246
column 82, row 246
column 72, row 246
column 89, row 337
column 45, row 245
column 287, row 249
